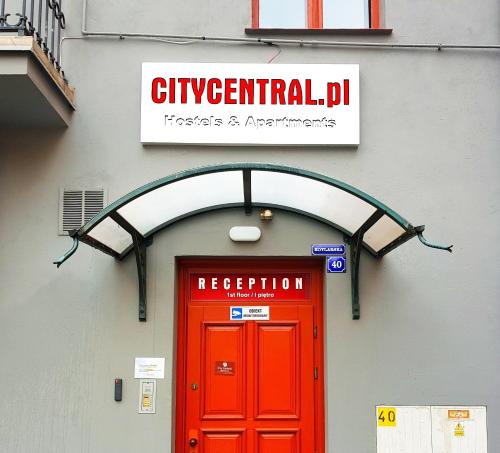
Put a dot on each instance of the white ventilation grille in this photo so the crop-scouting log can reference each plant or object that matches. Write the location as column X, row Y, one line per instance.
column 78, row 206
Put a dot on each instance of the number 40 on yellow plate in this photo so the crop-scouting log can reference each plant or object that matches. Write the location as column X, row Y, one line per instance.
column 386, row 416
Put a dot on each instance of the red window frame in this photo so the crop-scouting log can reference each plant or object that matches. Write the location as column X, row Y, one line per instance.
column 315, row 14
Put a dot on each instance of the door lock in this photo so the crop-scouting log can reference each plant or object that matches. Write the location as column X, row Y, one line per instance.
column 193, row 442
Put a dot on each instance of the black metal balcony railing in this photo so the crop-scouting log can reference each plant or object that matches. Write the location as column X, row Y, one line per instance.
column 42, row 19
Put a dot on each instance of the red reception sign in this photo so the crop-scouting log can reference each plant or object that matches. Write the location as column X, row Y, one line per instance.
column 250, row 287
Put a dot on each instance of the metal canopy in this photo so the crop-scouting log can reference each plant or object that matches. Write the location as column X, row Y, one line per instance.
column 129, row 223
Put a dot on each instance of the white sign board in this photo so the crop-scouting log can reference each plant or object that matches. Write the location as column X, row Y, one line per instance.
column 149, row 367
column 250, row 104
column 255, row 313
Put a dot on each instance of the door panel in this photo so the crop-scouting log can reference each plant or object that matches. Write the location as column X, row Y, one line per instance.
column 278, row 391
column 223, row 390
column 278, row 442
column 222, row 442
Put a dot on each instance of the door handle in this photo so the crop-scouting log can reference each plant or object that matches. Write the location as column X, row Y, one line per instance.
column 193, row 442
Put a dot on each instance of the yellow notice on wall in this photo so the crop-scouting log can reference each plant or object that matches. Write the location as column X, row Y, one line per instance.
column 386, row 416
column 459, row 430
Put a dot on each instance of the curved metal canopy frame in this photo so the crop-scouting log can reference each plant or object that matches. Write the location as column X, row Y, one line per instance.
column 376, row 218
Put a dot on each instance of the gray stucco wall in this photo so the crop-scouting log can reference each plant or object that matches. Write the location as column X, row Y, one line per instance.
column 429, row 332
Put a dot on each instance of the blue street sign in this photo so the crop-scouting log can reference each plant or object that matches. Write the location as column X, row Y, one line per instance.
column 328, row 249
column 335, row 264
column 236, row 313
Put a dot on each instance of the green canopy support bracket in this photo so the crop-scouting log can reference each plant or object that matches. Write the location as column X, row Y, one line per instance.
column 356, row 244
column 98, row 245
column 140, row 258
column 247, row 190
column 126, row 225
column 139, row 246
column 406, row 236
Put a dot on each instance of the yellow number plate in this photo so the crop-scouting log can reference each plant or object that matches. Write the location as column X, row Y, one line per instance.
column 386, row 416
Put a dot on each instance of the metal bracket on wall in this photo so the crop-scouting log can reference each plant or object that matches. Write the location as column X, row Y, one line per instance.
column 140, row 258
column 356, row 244
column 247, row 190
column 355, row 247
column 139, row 245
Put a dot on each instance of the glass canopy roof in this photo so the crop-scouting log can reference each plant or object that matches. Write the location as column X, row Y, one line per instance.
column 160, row 203
column 129, row 223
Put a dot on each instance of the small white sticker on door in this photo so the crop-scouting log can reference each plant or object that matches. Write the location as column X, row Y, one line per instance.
column 249, row 313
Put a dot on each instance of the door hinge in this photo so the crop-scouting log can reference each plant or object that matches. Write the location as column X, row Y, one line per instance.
column 315, row 332
column 315, row 372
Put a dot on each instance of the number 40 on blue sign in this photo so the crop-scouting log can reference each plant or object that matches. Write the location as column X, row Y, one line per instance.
column 335, row 264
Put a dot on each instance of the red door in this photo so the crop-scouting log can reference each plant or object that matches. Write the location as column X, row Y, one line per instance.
column 249, row 375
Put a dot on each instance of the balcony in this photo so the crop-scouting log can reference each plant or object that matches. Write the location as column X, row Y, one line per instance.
column 34, row 91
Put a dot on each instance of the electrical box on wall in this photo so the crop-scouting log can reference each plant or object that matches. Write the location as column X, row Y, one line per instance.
column 459, row 429
column 404, row 429
column 431, row 429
